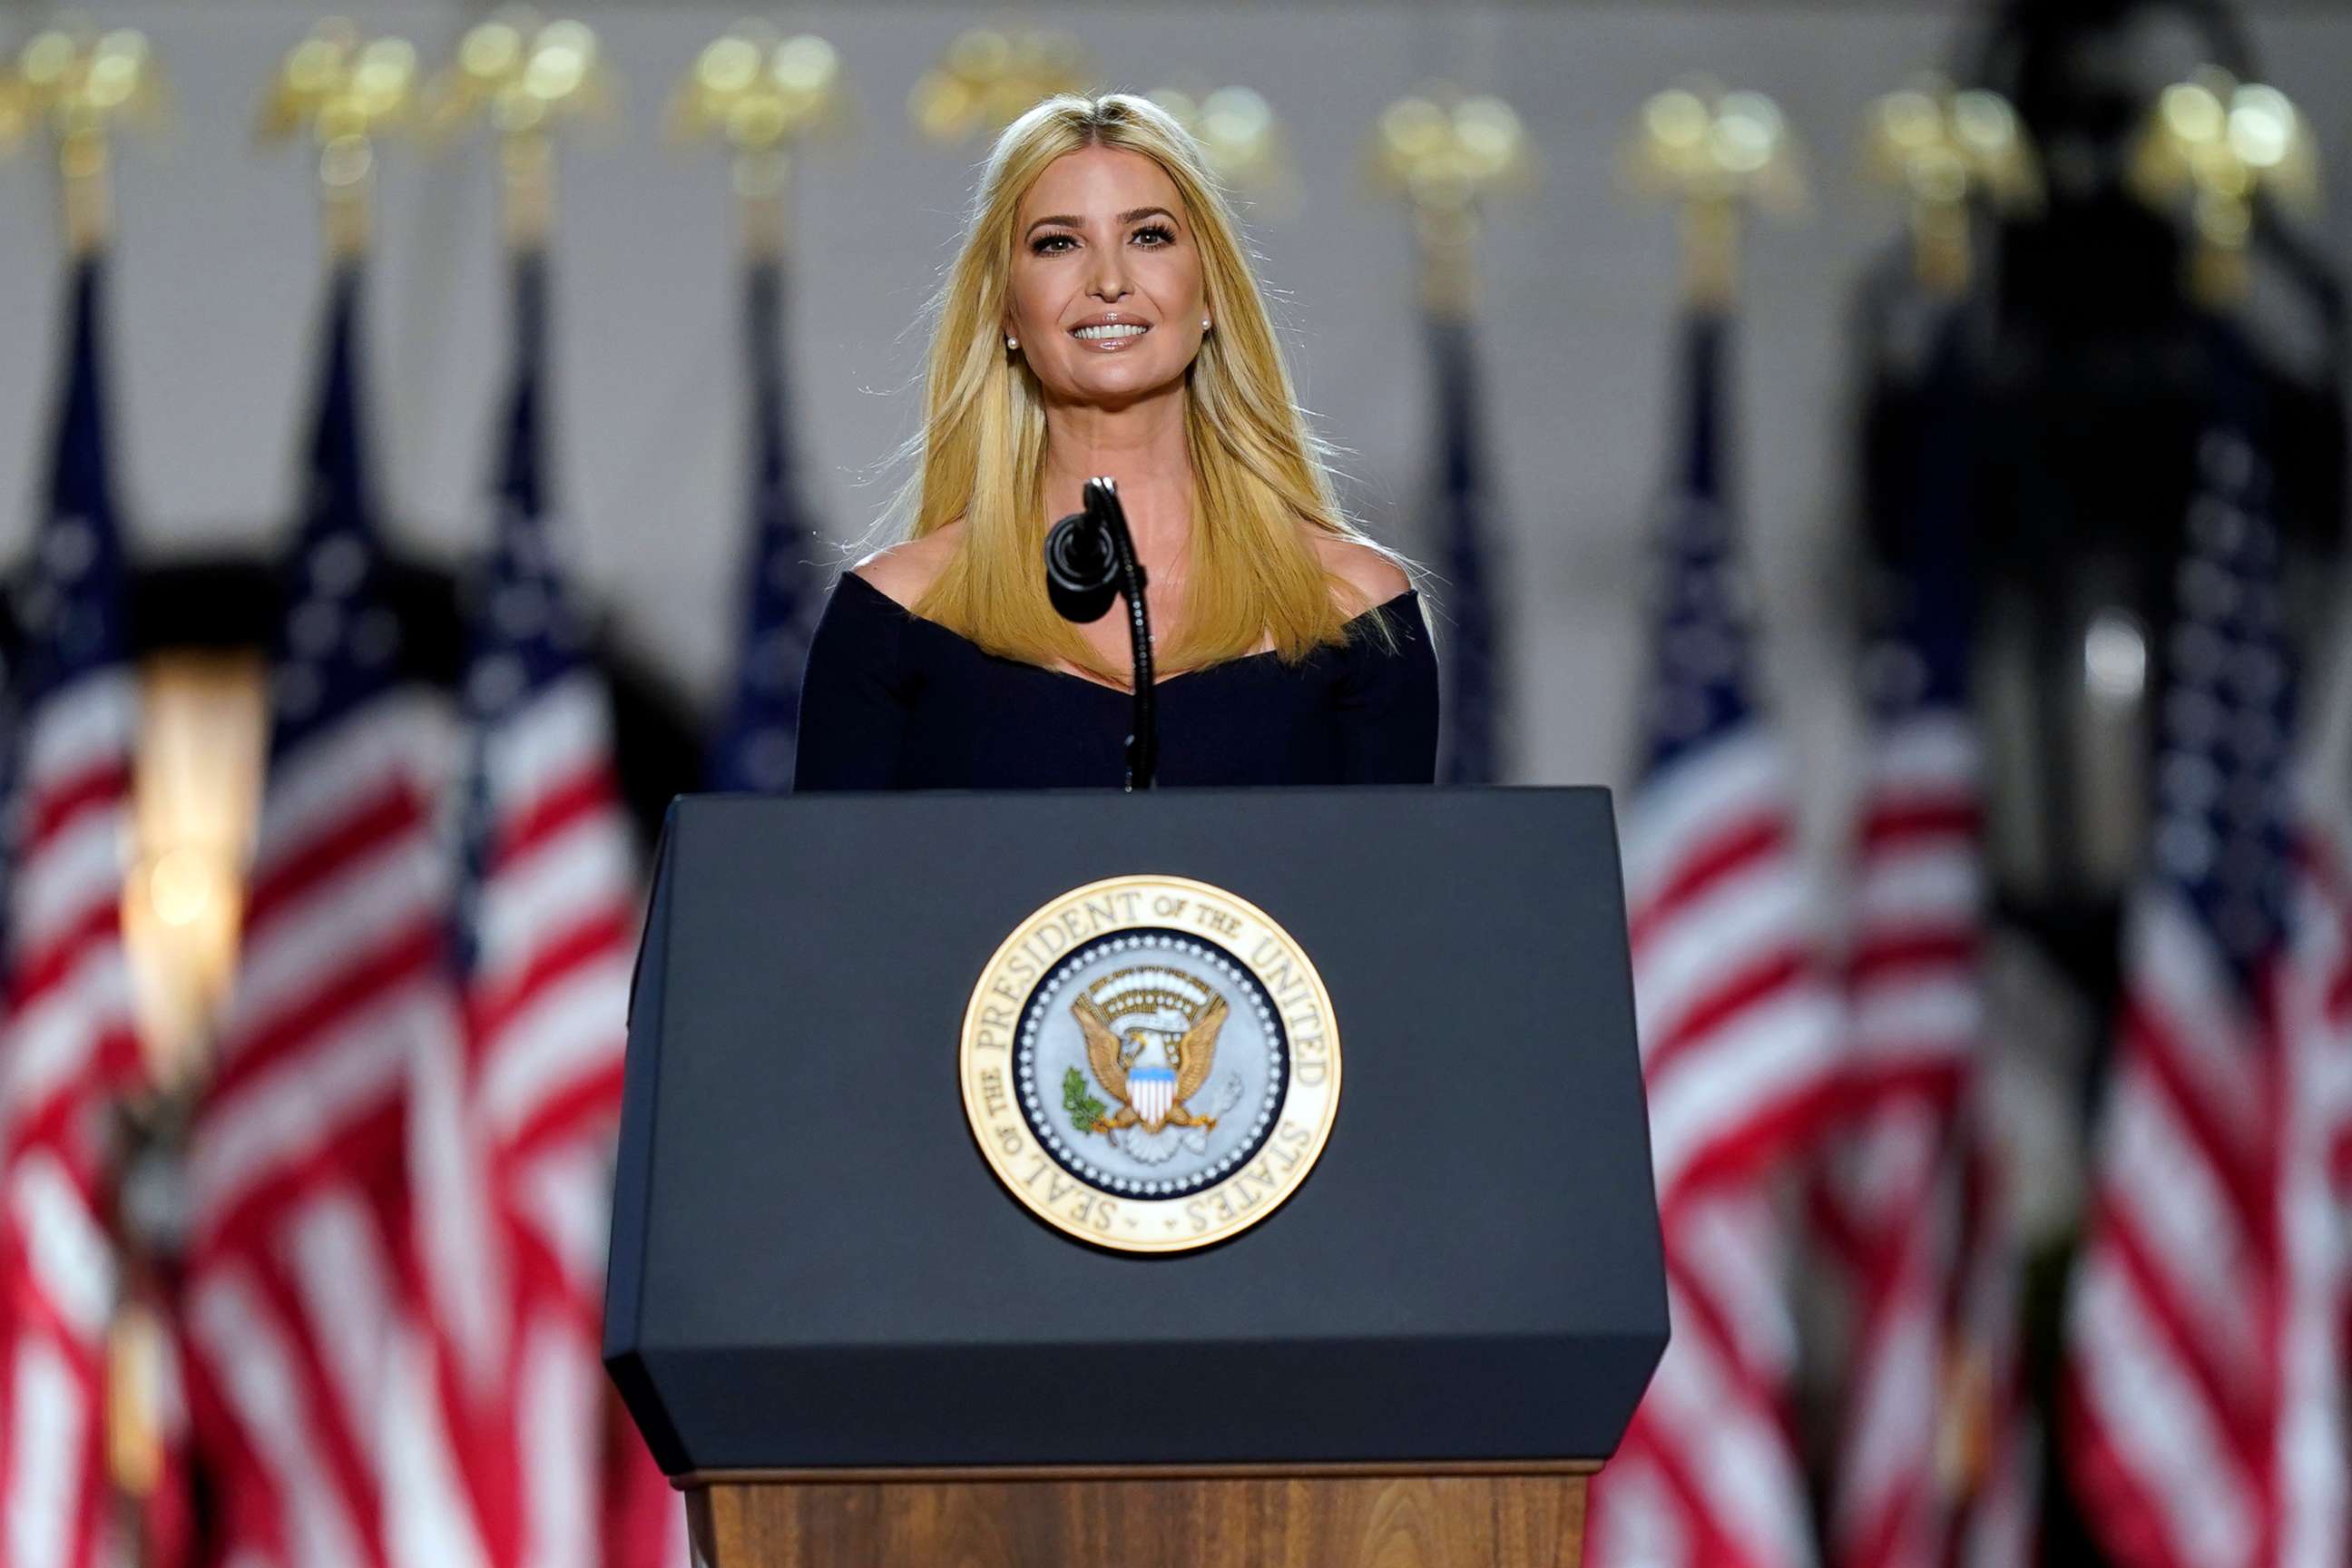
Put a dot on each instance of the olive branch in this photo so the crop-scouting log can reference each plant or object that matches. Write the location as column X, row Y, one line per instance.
column 1086, row 1111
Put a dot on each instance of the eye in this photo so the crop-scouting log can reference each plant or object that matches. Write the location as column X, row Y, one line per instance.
column 1051, row 244
column 1158, row 233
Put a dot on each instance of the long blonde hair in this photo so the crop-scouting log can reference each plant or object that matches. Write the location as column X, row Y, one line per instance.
column 1260, row 484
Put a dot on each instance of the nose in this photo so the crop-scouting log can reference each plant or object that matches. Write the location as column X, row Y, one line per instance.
column 1109, row 282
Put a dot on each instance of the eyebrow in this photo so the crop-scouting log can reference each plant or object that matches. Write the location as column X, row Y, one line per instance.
column 1136, row 215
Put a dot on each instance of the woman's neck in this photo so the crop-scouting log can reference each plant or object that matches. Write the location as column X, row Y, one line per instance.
column 1145, row 450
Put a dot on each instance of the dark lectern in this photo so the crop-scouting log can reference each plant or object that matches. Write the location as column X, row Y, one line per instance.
column 849, row 1344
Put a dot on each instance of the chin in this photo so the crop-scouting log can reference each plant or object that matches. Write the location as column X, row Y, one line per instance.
column 1116, row 386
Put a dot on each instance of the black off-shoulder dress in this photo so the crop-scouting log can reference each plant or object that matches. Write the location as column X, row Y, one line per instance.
column 893, row 701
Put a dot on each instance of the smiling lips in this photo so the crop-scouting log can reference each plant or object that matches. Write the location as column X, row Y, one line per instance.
column 1109, row 335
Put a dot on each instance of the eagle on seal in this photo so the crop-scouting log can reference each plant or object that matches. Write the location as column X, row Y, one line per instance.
column 1115, row 1062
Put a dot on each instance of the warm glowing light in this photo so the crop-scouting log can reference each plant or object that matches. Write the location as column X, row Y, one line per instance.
column 197, row 792
column 184, row 886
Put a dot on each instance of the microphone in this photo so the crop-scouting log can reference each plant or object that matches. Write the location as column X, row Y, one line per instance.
column 1081, row 567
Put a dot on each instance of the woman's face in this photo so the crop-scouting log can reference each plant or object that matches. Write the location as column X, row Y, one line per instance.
column 1106, row 286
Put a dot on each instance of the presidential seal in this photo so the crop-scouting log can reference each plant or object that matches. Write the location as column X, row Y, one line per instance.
column 1151, row 1064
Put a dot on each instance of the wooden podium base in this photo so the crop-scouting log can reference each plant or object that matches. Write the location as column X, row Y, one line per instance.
column 1353, row 1516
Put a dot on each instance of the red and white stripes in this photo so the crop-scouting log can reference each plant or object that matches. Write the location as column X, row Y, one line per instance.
column 556, row 925
column 294, row 1301
column 555, row 935
column 71, row 1048
column 1708, row 1473
column 2313, row 1432
column 1738, row 1032
column 1891, row 1190
column 2173, row 1374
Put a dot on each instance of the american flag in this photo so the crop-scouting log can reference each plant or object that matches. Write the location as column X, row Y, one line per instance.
column 2182, row 1318
column 1906, row 1196
column 1475, row 700
column 1737, row 1032
column 760, row 738
column 1988, row 1450
column 70, row 1046
column 2314, row 1422
column 547, row 922
column 295, row 1303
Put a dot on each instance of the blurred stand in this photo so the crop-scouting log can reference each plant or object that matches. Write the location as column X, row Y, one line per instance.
column 2089, row 365
column 2067, row 313
column 2082, row 325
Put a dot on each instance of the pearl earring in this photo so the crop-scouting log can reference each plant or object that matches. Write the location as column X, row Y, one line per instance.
column 1010, row 342
column 1205, row 323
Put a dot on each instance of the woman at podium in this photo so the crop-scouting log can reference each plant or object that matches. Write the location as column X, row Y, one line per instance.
column 1101, row 319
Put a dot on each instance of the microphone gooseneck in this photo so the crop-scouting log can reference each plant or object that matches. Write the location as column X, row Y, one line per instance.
column 1090, row 560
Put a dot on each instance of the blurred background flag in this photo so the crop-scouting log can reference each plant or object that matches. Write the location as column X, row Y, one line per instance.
column 294, row 1294
column 759, row 736
column 2173, row 1397
column 1989, row 1451
column 1737, row 1032
column 71, row 1048
column 766, row 96
column 1933, row 1459
column 359, row 1182
column 2316, row 1198
column 547, row 903
column 1906, row 1201
column 1885, row 1200
column 548, row 931
column 1473, row 700
column 1445, row 154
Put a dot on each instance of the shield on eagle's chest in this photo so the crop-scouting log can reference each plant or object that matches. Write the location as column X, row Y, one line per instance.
column 1152, row 1091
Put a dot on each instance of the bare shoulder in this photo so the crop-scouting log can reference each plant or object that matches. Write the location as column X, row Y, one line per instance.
column 1372, row 576
column 907, row 571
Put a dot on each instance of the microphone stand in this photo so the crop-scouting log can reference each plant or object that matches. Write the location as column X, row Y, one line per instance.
column 1143, row 732
column 1090, row 560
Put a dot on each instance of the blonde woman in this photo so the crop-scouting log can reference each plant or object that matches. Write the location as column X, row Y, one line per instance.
column 1101, row 318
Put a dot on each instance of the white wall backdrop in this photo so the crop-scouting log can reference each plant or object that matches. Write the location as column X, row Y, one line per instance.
column 216, row 288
